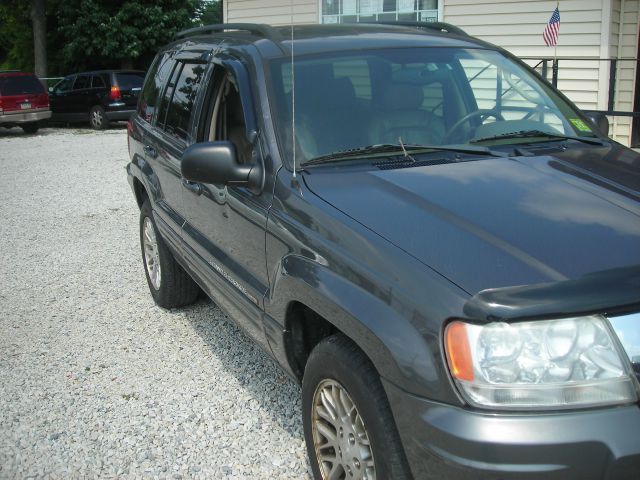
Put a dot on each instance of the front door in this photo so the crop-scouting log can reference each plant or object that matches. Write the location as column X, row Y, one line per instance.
column 226, row 225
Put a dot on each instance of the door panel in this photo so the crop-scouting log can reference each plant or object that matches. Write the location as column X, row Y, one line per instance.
column 226, row 225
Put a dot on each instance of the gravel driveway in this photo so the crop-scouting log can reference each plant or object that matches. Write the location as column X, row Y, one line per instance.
column 95, row 380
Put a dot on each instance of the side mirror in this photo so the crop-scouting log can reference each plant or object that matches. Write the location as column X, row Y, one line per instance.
column 216, row 162
column 601, row 122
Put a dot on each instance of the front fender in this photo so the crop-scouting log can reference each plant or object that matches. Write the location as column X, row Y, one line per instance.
column 394, row 340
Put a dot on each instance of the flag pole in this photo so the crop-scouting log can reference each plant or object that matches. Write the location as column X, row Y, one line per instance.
column 554, row 70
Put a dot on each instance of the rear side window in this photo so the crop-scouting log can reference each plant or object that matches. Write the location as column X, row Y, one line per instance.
column 97, row 82
column 82, row 82
column 19, row 84
column 182, row 98
column 128, row 81
column 153, row 85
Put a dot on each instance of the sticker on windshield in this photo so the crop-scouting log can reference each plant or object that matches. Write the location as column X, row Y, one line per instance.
column 580, row 125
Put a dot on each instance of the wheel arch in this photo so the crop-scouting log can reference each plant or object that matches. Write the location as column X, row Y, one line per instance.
column 314, row 302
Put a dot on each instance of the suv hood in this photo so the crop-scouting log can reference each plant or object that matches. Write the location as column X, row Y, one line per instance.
column 497, row 222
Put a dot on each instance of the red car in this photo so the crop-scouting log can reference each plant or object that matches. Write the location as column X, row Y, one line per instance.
column 23, row 101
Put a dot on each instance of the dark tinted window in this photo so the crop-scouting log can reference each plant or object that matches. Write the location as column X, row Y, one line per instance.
column 97, row 82
column 184, row 94
column 82, row 81
column 163, row 104
column 127, row 81
column 64, row 85
column 155, row 81
column 19, row 84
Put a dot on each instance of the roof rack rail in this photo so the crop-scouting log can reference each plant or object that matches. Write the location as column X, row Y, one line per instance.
column 440, row 26
column 260, row 29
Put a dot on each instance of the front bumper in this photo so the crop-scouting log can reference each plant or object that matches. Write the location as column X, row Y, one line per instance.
column 442, row 441
column 16, row 118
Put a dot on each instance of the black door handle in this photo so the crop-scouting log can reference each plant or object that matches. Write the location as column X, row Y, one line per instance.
column 193, row 187
column 149, row 150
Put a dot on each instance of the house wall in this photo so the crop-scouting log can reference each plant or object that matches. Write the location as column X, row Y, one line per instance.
column 274, row 12
column 625, row 21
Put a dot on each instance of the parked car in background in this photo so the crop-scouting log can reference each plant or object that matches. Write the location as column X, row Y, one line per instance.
column 98, row 97
column 23, row 101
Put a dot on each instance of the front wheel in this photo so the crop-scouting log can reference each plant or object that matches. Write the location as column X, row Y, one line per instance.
column 348, row 425
column 169, row 284
column 98, row 118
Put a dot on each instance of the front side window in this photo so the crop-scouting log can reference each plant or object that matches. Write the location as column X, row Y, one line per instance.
column 64, row 85
column 363, row 11
column 415, row 96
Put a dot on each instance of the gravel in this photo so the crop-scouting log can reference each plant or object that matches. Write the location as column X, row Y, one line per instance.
column 97, row 381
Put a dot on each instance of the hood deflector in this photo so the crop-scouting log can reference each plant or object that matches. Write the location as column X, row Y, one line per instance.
column 608, row 292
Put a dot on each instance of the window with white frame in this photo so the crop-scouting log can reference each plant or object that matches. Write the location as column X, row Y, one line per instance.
column 363, row 11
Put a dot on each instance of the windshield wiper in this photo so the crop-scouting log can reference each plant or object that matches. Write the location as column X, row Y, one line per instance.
column 539, row 133
column 402, row 149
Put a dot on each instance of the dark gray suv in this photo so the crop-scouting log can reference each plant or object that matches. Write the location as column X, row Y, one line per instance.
column 436, row 243
column 99, row 97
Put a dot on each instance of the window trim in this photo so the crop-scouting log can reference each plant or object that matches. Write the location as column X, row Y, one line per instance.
column 439, row 19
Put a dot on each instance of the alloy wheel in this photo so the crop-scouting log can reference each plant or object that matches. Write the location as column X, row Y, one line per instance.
column 96, row 118
column 340, row 438
column 151, row 253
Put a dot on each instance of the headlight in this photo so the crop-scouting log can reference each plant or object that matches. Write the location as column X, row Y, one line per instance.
column 544, row 364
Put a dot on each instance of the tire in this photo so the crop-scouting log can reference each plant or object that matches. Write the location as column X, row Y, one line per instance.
column 98, row 118
column 169, row 284
column 337, row 369
column 30, row 128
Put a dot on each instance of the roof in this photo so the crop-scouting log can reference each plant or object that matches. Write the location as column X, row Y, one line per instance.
column 310, row 39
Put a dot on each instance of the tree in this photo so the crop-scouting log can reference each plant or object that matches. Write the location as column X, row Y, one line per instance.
column 210, row 12
column 39, row 23
column 105, row 33
column 16, row 41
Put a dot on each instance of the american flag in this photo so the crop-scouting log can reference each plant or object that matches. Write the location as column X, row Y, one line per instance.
column 552, row 29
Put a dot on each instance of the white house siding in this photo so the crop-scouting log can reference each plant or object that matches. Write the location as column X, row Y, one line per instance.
column 625, row 21
column 274, row 12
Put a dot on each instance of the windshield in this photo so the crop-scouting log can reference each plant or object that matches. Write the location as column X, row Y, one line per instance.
column 414, row 96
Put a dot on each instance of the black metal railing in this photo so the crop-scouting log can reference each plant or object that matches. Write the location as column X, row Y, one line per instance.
column 553, row 65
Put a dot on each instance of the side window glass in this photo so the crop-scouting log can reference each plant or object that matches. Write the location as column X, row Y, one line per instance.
column 181, row 103
column 82, row 82
column 64, row 85
column 163, row 104
column 154, row 82
column 97, row 82
column 229, row 119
